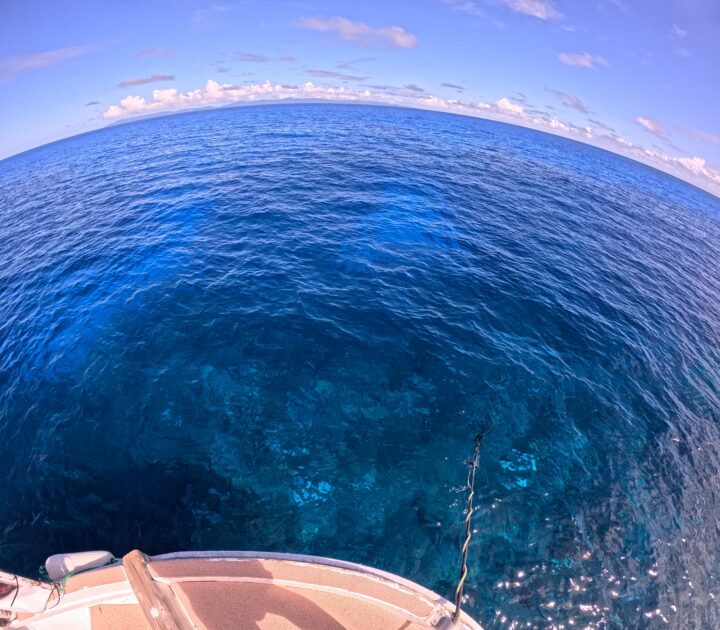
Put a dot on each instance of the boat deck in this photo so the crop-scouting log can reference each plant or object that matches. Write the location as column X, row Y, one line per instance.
column 241, row 590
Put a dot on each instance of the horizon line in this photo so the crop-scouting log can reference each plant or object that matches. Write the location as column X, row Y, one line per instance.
column 330, row 102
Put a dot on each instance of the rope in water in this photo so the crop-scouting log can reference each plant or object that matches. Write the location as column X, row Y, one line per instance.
column 468, row 531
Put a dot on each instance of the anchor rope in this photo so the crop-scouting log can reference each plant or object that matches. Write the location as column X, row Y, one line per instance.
column 17, row 588
column 468, row 531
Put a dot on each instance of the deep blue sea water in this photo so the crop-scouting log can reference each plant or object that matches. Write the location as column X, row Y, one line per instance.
column 281, row 327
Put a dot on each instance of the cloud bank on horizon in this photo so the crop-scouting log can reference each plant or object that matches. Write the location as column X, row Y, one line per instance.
column 611, row 75
column 693, row 169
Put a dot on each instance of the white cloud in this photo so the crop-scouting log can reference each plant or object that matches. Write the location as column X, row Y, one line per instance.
column 694, row 164
column 541, row 9
column 691, row 168
column 572, row 101
column 214, row 93
column 362, row 34
column 466, row 6
column 505, row 106
column 665, row 132
column 705, row 176
column 678, row 31
column 12, row 66
column 653, row 126
column 582, row 60
column 601, row 125
column 703, row 137
column 677, row 35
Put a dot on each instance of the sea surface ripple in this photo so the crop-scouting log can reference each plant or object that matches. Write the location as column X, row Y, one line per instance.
column 280, row 328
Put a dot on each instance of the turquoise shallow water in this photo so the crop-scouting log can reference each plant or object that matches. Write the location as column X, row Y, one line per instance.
column 280, row 328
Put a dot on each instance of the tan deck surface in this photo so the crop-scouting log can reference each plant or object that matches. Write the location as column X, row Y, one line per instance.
column 106, row 575
column 116, row 616
column 278, row 570
column 268, row 607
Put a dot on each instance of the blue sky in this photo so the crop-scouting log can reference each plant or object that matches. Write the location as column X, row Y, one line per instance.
column 638, row 77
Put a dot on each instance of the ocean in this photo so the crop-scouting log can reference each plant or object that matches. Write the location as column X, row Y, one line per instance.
column 280, row 328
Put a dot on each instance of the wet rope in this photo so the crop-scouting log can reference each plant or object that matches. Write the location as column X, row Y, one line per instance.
column 468, row 531
column 57, row 587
